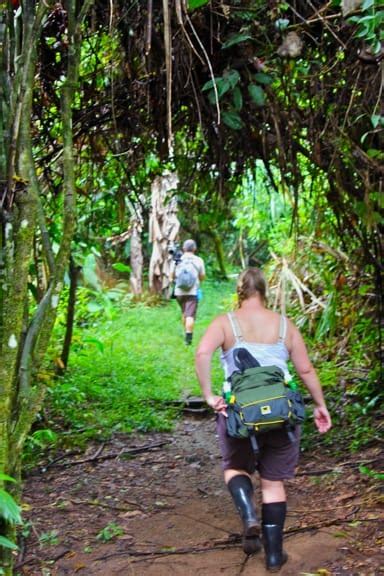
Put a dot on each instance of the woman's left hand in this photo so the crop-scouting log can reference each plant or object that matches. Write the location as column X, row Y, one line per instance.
column 217, row 403
column 322, row 419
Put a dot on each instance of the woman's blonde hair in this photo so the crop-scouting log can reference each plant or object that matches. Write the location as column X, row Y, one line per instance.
column 251, row 281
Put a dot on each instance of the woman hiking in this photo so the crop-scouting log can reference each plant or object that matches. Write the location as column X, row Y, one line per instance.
column 270, row 339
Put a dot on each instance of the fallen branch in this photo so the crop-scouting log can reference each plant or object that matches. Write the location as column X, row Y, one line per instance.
column 335, row 522
column 215, row 545
column 299, row 511
column 232, row 541
column 60, row 501
column 108, row 506
column 58, row 459
column 98, row 452
column 41, row 560
column 94, row 457
column 201, row 521
column 110, row 456
column 335, row 468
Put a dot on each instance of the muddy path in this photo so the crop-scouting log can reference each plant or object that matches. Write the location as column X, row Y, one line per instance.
column 165, row 511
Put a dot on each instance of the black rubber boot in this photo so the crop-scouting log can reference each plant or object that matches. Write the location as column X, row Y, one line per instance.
column 188, row 338
column 275, row 556
column 273, row 515
column 241, row 490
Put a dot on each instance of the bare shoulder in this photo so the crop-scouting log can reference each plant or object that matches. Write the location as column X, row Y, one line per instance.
column 221, row 320
column 294, row 336
column 292, row 328
column 214, row 336
column 222, row 324
column 216, row 324
column 290, row 323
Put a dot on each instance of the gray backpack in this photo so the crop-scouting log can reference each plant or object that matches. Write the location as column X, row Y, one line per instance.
column 186, row 275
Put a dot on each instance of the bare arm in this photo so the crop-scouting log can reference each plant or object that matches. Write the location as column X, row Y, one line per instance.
column 202, row 272
column 212, row 339
column 172, row 272
column 307, row 373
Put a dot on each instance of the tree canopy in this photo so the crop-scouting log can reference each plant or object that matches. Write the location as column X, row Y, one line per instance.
column 255, row 106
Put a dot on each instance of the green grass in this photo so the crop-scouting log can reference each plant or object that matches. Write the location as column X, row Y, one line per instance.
column 124, row 373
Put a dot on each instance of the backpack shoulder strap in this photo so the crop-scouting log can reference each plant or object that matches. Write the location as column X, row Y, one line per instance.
column 189, row 260
column 282, row 328
column 235, row 326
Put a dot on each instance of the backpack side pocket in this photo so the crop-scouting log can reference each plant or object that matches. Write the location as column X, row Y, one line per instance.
column 235, row 427
column 297, row 405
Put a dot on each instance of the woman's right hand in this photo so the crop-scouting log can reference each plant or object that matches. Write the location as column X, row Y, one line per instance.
column 217, row 403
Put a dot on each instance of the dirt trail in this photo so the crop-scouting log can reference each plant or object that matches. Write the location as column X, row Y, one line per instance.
column 175, row 517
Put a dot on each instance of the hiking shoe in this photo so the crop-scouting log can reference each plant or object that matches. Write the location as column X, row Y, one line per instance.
column 188, row 338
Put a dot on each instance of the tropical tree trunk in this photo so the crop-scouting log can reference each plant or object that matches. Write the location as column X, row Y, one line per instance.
column 23, row 343
column 163, row 230
column 18, row 224
column 73, row 281
column 136, row 255
column 219, row 250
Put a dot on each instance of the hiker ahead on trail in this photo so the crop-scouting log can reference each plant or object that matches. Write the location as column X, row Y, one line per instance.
column 188, row 274
column 258, row 413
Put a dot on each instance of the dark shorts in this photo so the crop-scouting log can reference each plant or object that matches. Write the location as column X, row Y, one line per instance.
column 188, row 305
column 277, row 457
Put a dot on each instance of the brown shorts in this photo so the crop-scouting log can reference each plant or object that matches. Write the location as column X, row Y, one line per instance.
column 188, row 305
column 277, row 457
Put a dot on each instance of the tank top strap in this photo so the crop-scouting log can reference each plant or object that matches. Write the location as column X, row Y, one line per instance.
column 282, row 328
column 235, row 326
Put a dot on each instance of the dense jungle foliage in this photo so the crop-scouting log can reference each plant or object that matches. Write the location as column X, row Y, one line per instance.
column 270, row 113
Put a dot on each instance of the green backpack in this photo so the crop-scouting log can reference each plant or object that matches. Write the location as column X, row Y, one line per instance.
column 260, row 401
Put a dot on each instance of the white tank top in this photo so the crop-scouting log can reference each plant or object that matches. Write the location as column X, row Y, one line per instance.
column 275, row 354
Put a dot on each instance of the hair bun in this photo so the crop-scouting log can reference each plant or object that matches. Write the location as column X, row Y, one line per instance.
column 251, row 281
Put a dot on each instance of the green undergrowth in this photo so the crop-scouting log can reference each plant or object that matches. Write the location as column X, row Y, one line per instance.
column 130, row 368
column 126, row 373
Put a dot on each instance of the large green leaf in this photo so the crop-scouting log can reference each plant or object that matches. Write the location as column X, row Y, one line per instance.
column 367, row 4
column 9, row 510
column 236, row 39
column 90, row 276
column 232, row 76
column 237, row 99
column 94, row 307
column 377, row 120
column 263, row 78
column 233, row 120
column 6, row 477
column 193, row 4
column 257, row 94
column 222, row 86
column 5, row 543
column 121, row 267
column 208, row 85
